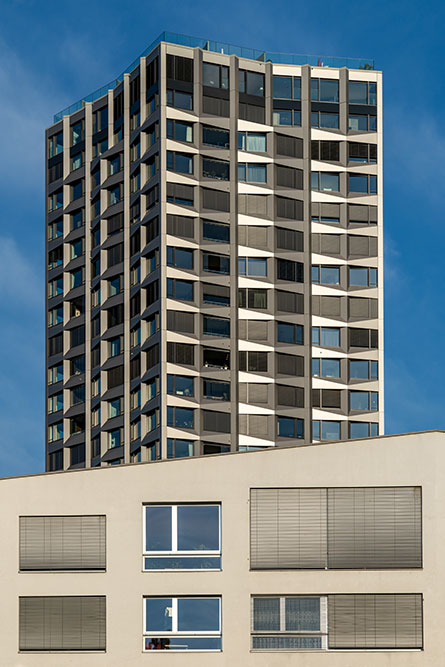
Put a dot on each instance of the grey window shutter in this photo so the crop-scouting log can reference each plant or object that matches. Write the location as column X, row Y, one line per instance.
column 242, row 424
column 330, row 210
column 290, row 239
column 216, row 421
column 242, row 234
column 331, row 398
column 242, row 329
column 358, row 213
column 293, row 396
column 75, row 623
column 180, row 321
column 289, row 364
column 181, row 225
column 257, row 237
column 375, row 621
column 373, row 214
column 330, row 306
column 258, row 426
column 376, row 528
column 287, row 528
column 358, row 246
column 330, row 244
column 62, row 542
column 316, row 305
column 257, row 329
column 242, row 392
column 257, row 392
column 290, row 302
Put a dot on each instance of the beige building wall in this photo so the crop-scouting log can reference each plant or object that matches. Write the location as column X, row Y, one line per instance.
column 416, row 459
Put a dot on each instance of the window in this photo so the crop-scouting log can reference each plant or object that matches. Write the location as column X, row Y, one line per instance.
column 215, row 390
column 213, row 263
column 77, row 161
column 55, row 201
column 182, row 537
column 326, row 368
column 215, row 76
column 179, row 257
column 252, row 266
column 290, row 333
column 254, row 142
column 362, row 183
column 288, row 177
column 180, row 68
column 362, row 369
column 286, row 87
column 182, row 195
column 55, row 287
column 115, row 285
column 290, row 271
column 363, row 430
column 180, row 131
column 213, row 358
column 116, row 438
column 55, row 257
column 253, row 362
column 76, row 190
column 362, row 92
column 64, row 624
column 324, row 90
column 362, row 277
column 363, row 400
column 55, row 316
column 55, row 374
column 180, row 289
column 358, row 152
column 289, row 623
column 77, row 133
column 115, row 164
column 100, row 120
column 55, row 432
column 180, row 417
column 252, row 173
column 180, row 385
column 362, row 123
column 215, row 200
column 182, row 624
column 325, row 182
column 215, row 231
column 115, row 194
column 115, row 346
column 181, row 353
column 213, row 136
column 324, row 119
column 215, row 326
column 366, row 338
column 55, row 144
column 55, row 172
column 326, row 336
column 78, row 395
column 217, row 295
column 251, row 83
column 288, row 427
column 216, row 169
column 77, row 219
column 252, row 298
column 326, row 430
column 328, row 151
column 180, row 449
column 326, row 275
column 55, row 230
column 179, row 100
column 180, row 162
column 55, row 403
column 286, row 117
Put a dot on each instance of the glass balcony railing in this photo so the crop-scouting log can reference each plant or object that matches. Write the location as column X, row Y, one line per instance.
column 228, row 49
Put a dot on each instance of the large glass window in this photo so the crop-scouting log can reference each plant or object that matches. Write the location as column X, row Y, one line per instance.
column 252, row 173
column 251, row 83
column 326, row 336
column 55, row 144
column 363, row 429
column 215, row 76
column 362, row 92
column 362, row 277
column 296, row 623
column 252, row 266
column 212, row 263
column 252, row 141
column 362, row 123
column 288, row 427
column 177, row 448
column 324, row 90
column 213, row 136
column 179, row 257
column 219, row 391
column 180, row 385
column 216, row 169
column 215, row 231
column 180, row 162
column 325, row 182
column 326, row 275
column 180, row 289
column 363, row 400
column 326, row 430
column 362, row 183
column 290, row 333
column 286, row 87
column 326, row 368
column 182, row 537
column 182, row 624
column 180, row 100
column 287, row 117
column 180, row 131
column 324, row 119
column 216, row 326
column 362, row 369
column 180, row 417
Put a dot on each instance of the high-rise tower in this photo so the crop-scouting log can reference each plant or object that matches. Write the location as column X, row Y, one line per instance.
column 214, row 256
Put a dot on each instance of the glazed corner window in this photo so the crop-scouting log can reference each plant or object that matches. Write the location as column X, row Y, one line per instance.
column 326, row 368
column 288, row 427
column 217, row 169
column 252, row 266
column 55, row 200
column 326, row 275
column 55, row 374
column 215, row 76
column 182, row 624
column 180, row 162
column 363, row 400
column 179, row 100
column 252, row 173
column 289, row 117
column 363, row 429
column 325, row 182
column 358, row 152
column 326, row 430
column 215, row 231
column 77, row 133
column 286, row 87
column 180, row 385
column 180, row 289
column 55, row 230
column 362, row 183
column 326, row 336
column 180, row 131
column 215, row 326
column 213, row 136
column 179, row 257
column 362, row 92
column 180, row 417
column 251, row 83
column 362, row 277
column 177, row 448
column 324, row 90
column 55, row 432
column 324, row 119
column 182, row 537
column 290, row 333
column 55, row 144
column 252, row 141
column 362, row 123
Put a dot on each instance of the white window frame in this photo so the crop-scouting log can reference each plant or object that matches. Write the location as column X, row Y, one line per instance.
column 282, row 632
column 174, row 632
column 174, row 552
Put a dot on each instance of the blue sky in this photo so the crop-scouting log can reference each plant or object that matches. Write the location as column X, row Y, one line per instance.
column 53, row 53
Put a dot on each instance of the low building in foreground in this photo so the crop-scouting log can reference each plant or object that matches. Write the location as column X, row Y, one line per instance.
column 335, row 552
